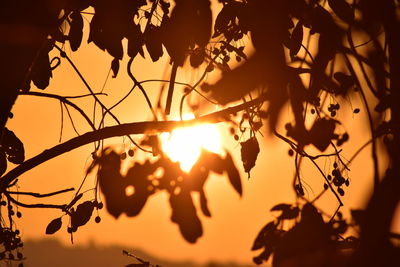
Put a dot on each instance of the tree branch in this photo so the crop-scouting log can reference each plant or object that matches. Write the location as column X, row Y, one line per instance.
column 146, row 127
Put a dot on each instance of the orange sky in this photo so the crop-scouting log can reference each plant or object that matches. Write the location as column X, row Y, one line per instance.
column 228, row 235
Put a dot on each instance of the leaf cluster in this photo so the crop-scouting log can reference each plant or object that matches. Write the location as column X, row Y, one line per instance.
column 129, row 193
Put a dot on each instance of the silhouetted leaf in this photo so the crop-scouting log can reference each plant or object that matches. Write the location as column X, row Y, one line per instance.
column 288, row 212
column 203, row 23
column 223, row 18
column 342, row 9
column 237, row 50
column 249, row 152
column 211, row 161
column 184, row 214
column 296, row 39
column 183, row 18
column 281, row 207
column 322, row 133
column 233, row 174
column 197, row 57
column 76, row 30
column 305, row 237
column 41, row 69
column 263, row 236
column 197, row 176
column 154, row 42
column 137, row 177
column 111, row 183
column 115, row 67
column 82, row 214
column 264, row 256
column 13, row 147
column 53, row 226
column 203, row 204
column 135, row 41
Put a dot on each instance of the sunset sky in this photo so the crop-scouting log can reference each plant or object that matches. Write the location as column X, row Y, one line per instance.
column 235, row 222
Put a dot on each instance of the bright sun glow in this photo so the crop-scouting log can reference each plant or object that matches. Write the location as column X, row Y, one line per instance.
column 184, row 145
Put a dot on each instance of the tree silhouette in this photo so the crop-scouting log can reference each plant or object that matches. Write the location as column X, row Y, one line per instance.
column 309, row 55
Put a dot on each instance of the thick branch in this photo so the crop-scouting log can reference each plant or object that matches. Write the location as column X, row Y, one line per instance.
column 146, row 127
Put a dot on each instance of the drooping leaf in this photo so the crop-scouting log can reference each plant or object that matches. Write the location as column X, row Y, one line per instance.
column 184, row 214
column 41, row 69
column 115, row 67
column 281, row 207
column 296, row 39
column 322, row 133
column 202, row 23
column 154, row 42
column 233, row 174
column 76, row 30
column 263, row 236
column 264, row 256
column 82, row 214
column 13, row 147
column 211, row 161
column 111, row 182
column 249, row 152
column 135, row 42
column 203, row 204
column 310, row 234
column 197, row 57
column 53, row 226
column 226, row 15
column 137, row 177
column 288, row 212
column 177, row 30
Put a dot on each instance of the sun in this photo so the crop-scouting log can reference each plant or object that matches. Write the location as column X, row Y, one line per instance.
column 184, row 145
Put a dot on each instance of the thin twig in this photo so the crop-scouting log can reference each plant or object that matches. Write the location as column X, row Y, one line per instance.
column 39, row 195
column 63, row 99
column 93, row 93
column 39, row 205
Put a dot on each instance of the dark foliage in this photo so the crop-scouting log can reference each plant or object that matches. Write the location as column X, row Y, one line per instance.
column 282, row 71
column 144, row 180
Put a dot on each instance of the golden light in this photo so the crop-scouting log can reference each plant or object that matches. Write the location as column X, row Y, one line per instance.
column 184, row 145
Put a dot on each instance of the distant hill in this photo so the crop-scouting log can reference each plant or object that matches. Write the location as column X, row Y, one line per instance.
column 51, row 253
